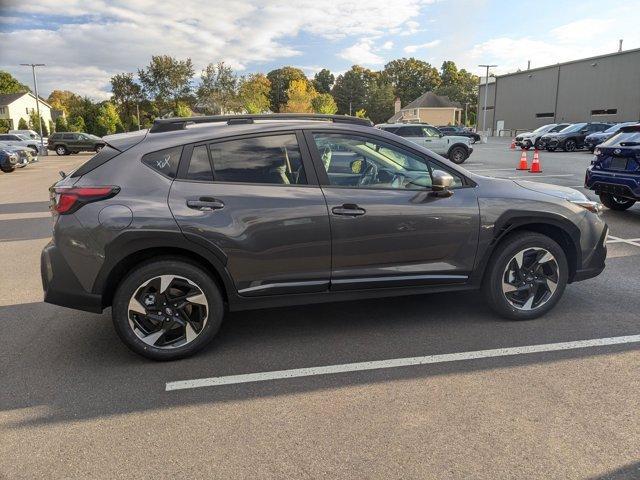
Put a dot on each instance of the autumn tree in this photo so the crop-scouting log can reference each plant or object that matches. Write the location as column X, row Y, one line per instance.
column 324, row 103
column 218, row 90
column 300, row 94
column 64, row 100
column 9, row 84
column 280, row 79
column 107, row 120
column 253, row 93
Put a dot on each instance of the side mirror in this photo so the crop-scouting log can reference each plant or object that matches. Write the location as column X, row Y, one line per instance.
column 441, row 182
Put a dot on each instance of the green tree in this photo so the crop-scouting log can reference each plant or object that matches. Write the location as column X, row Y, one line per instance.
column 411, row 78
column 4, row 125
column 280, row 79
column 380, row 98
column 23, row 125
column 362, row 113
column 8, row 84
column 35, row 120
column 182, row 110
column 253, row 93
column 77, row 124
column 126, row 94
column 218, row 90
column 324, row 103
column 460, row 86
column 52, row 126
column 167, row 81
column 61, row 124
column 64, row 100
column 323, row 81
column 107, row 120
column 300, row 94
column 351, row 89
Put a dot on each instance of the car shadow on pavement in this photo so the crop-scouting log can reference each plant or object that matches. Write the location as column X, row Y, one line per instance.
column 627, row 472
column 64, row 365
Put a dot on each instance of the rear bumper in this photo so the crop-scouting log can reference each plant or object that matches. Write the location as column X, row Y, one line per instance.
column 619, row 183
column 60, row 285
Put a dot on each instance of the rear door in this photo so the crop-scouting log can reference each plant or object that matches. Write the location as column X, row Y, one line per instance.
column 388, row 227
column 256, row 203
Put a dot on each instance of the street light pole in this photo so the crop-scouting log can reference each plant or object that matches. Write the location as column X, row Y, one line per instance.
column 486, row 89
column 35, row 88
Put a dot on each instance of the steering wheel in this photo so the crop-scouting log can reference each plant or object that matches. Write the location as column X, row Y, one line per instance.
column 370, row 174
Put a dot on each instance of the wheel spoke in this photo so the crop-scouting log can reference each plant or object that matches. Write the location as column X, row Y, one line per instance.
column 189, row 332
column 136, row 306
column 200, row 299
column 152, row 338
column 507, row 287
column 529, row 303
column 165, row 281
column 547, row 257
column 551, row 285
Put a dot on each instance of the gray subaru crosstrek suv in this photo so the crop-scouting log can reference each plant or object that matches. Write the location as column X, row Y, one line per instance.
column 173, row 226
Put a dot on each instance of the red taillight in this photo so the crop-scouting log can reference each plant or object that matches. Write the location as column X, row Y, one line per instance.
column 69, row 199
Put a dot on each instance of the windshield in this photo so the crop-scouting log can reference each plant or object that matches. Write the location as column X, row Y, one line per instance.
column 559, row 128
column 543, row 128
column 574, row 128
column 623, row 139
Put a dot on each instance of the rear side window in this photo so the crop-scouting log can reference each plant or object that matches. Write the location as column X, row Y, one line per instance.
column 410, row 132
column 164, row 161
column 68, row 136
column 103, row 156
column 199, row 165
column 272, row 159
column 623, row 139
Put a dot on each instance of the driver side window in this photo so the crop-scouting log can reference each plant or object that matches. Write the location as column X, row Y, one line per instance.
column 362, row 162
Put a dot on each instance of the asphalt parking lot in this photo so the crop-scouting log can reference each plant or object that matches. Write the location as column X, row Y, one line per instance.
column 75, row 403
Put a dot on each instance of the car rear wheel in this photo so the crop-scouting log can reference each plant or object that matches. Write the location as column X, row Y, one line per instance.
column 527, row 144
column 98, row 148
column 61, row 150
column 6, row 169
column 458, row 155
column 569, row 145
column 526, row 276
column 616, row 203
column 167, row 309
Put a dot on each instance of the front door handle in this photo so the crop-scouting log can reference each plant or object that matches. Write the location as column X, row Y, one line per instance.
column 205, row 204
column 348, row 210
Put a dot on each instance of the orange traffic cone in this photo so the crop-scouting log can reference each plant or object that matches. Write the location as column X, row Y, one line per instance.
column 535, row 165
column 523, row 161
column 513, row 144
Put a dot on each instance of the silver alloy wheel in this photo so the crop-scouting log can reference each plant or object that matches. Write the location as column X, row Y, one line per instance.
column 458, row 155
column 61, row 150
column 530, row 278
column 168, row 311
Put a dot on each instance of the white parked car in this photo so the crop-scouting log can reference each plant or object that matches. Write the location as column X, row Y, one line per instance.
column 454, row 147
column 29, row 134
column 527, row 140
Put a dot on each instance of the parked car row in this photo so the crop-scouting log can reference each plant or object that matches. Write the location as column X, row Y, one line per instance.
column 15, row 156
column 569, row 136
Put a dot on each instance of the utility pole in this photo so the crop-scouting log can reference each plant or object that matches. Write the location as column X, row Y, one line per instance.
column 486, row 90
column 35, row 87
column 138, row 114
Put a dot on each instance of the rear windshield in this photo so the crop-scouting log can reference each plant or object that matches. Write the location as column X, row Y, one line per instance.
column 100, row 158
column 623, row 139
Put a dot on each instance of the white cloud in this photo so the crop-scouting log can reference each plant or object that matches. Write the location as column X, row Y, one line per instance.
column 362, row 53
column 388, row 45
column 415, row 48
column 108, row 37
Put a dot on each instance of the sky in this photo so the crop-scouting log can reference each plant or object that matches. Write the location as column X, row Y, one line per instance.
column 85, row 42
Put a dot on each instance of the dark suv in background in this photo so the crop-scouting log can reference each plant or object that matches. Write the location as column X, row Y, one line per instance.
column 572, row 137
column 448, row 130
column 172, row 227
column 66, row 143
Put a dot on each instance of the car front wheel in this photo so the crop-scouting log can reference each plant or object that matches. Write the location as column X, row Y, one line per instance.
column 569, row 145
column 458, row 155
column 167, row 309
column 616, row 203
column 61, row 150
column 526, row 276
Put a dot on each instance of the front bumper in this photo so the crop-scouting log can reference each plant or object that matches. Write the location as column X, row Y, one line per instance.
column 61, row 286
column 595, row 262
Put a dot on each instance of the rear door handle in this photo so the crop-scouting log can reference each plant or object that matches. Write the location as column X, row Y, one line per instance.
column 348, row 210
column 205, row 204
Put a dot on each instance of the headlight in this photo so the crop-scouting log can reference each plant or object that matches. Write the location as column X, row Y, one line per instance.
column 596, row 151
column 593, row 207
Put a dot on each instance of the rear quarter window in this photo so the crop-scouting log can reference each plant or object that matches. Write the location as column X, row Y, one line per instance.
column 623, row 139
column 164, row 161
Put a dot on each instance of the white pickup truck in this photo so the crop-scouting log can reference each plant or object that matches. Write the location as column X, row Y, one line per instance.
column 455, row 148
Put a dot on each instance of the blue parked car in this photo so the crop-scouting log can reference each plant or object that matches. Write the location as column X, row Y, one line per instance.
column 595, row 139
column 614, row 173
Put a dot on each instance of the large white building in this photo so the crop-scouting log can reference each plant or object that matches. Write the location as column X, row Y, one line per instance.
column 14, row 106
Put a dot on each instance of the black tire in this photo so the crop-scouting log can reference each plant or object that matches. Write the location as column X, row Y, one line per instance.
column 536, row 144
column 505, row 251
column 7, row 169
column 458, row 154
column 570, row 145
column 527, row 144
column 167, row 266
column 616, row 203
column 61, row 150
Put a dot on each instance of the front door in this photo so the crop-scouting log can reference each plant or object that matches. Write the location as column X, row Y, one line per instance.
column 256, row 203
column 388, row 227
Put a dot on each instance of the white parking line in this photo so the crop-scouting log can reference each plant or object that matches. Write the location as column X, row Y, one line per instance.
column 630, row 241
column 396, row 363
column 543, row 176
column 24, row 216
column 491, row 169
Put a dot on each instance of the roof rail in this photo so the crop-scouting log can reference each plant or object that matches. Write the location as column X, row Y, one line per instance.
column 172, row 124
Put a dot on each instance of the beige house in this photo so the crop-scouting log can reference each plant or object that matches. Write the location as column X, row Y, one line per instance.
column 429, row 108
column 14, row 106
